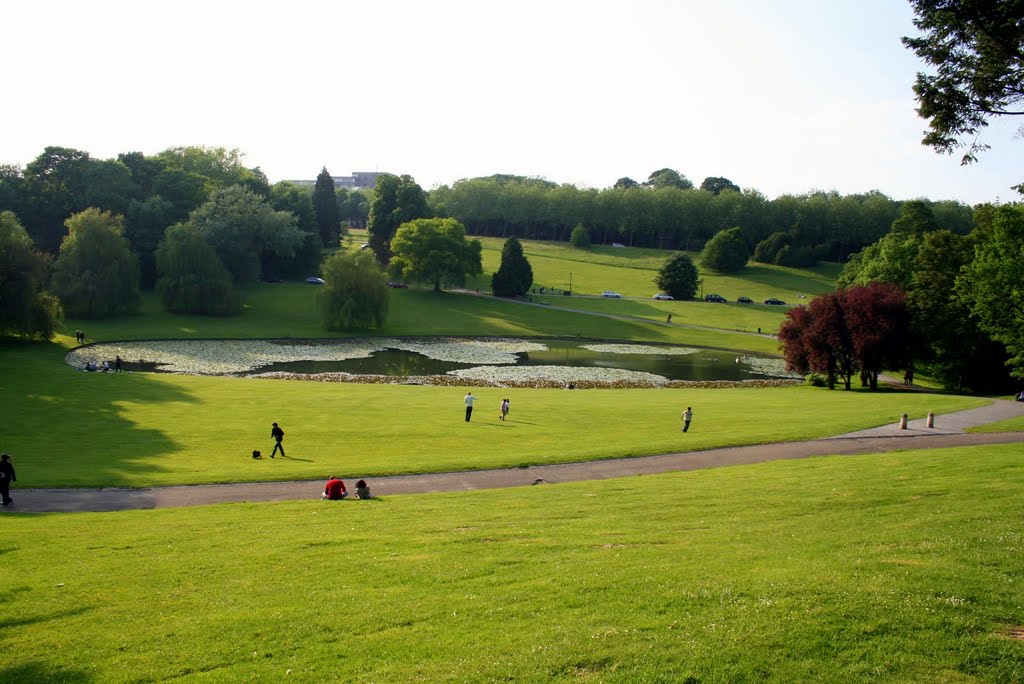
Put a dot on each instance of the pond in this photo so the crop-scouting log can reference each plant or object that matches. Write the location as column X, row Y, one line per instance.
column 502, row 361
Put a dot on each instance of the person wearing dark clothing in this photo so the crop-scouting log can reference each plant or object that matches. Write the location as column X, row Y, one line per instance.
column 117, row 364
column 362, row 490
column 6, row 478
column 468, row 401
column 278, row 434
column 687, row 417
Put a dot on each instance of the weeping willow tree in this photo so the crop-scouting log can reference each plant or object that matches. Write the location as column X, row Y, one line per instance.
column 355, row 292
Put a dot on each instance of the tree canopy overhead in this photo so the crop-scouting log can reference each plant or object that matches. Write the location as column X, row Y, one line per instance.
column 976, row 48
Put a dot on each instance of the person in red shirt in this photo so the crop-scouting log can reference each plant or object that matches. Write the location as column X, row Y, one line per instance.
column 334, row 489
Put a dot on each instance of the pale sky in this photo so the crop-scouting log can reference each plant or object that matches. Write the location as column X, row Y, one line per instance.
column 780, row 96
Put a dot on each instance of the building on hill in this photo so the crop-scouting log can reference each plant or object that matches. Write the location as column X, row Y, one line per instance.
column 359, row 180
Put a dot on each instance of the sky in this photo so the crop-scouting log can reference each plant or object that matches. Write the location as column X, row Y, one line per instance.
column 778, row 96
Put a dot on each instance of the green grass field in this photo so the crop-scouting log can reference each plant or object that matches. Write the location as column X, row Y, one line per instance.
column 889, row 568
column 69, row 428
column 901, row 567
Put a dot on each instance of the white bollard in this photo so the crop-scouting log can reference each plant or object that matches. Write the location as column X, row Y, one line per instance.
column 903, row 422
column 931, row 420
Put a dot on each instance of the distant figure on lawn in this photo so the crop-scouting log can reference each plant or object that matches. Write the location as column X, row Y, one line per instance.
column 908, row 377
column 278, row 434
column 1020, row 397
column 334, row 490
column 117, row 364
column 6, row 478
column 669, row 319
column 363, row 490
column 504, row 408
column 79, row 337
column 469, row 404
column 687, row 417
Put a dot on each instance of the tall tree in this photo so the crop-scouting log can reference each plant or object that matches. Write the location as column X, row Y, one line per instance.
column 434, row 251
column 580, row 237
column 515, row 275
column 397, row 200
column 626, row 183
column 717, row 184
column 668, row 178
column 726, row 252
column 96, row 274
column 242, row 227
column 355, row 292
column 991, row 283
column 325, row 204
column 25, row 308
column 678, row 277
column 192, row 278
column 53, row 188
column 976, row 48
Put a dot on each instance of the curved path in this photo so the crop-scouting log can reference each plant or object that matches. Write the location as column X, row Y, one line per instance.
column 947, row 432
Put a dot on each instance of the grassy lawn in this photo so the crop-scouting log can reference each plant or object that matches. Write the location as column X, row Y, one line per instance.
column 739, row 317
column 901, row 567
column 631, row 272
column 289, row 310
column 69, row 428
column 1008, row 425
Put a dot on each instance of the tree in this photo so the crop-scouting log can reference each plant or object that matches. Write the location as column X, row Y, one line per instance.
column 515, row 275
column 580, row 237
column 192, row 278
column 915, row 217
column 25, row 309
column 434, row 251
column 768, row 249
column 991, row 283
column 53, row 188
column 96, row 274
column 355, row 292
column 861, row 328
column 242, row 227
column 668, row 178
column 325, row 204
column 626, row 183
column 144, row 226
column 297, row 200
column 726, row 252
column 977, row 50
column 717, row 184
column 678, row 277
column 397, row 200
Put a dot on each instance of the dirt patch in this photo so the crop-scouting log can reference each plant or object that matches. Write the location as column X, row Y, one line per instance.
column 1016, row 633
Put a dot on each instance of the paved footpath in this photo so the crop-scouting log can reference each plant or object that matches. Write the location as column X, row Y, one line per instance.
column 947, row 432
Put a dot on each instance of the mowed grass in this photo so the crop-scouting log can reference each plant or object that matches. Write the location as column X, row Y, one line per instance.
column 288, row 310
column 70, row 428
column 901, row 567
column 1008, row 425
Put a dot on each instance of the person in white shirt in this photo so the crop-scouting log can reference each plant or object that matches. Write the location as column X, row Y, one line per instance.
column 469, row 404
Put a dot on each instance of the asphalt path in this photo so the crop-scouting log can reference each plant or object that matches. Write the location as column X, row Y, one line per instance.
column 948, row 431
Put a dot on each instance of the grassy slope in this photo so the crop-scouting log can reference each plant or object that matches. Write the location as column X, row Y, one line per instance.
column 894, row 568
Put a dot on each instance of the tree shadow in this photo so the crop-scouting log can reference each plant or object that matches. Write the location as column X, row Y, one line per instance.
column 44, row 672
column 49, row 405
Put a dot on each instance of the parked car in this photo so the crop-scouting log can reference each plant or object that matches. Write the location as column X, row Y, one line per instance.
column 398, row 286
column 618, row 244
column 776, row 302
column 609, row 293
column 715, row 298
column 664, row 297
column 313, row 280
column 744, row 300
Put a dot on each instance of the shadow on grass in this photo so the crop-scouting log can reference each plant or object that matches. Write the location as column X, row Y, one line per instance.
column 12, row 622
column 44, row 672
column 56, row 416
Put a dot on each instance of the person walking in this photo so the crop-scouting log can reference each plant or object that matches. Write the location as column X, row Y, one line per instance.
column 687, row 417
column 504, row 408
column 468, row 401
column 278, row 434
column 6, row 478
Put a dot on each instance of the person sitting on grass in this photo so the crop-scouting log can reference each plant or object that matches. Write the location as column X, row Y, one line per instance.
column 334, row 490
column 362, row 490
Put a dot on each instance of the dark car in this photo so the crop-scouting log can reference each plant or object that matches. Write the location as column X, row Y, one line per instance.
column 398, row 286
column 744, row 300
column 776, row 302
column 715, row 298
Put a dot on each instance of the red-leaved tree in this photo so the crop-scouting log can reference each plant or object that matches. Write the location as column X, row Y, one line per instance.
column 861, row 328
